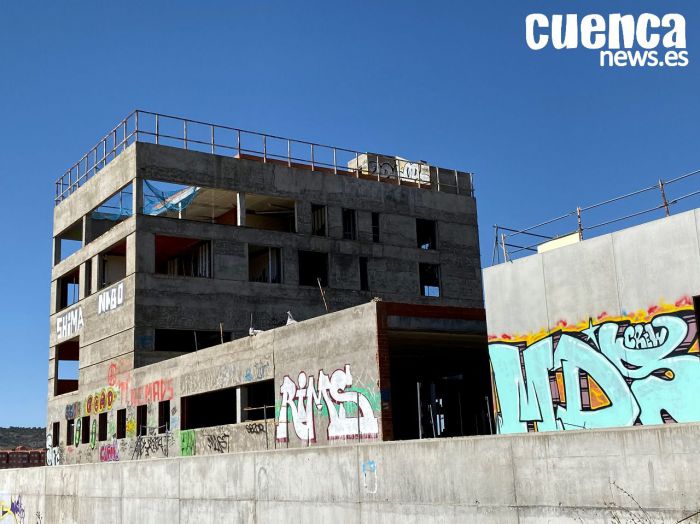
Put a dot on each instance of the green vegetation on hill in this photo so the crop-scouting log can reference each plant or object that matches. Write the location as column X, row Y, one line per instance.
column 12, row 437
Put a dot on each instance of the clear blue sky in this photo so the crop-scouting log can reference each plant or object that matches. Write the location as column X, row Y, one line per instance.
column 449, row 82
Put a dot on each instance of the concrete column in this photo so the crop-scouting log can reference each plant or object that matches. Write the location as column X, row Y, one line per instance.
column 240, row 208
column 54, row 297
column 302, row 215
column 87, row 229
column 364, row 226
column 95, row 273
column 131, row 259
column 334, row 221
column 137, row 196
column 290, row 266
column 82, row 280
column 143, row 253
column 56, row 250
column 241, row 401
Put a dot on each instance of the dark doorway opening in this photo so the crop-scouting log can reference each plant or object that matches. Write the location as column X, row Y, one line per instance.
column 440, row 386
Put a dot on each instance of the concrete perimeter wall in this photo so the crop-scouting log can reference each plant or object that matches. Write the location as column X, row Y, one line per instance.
column 624, row 475
column 602, row 333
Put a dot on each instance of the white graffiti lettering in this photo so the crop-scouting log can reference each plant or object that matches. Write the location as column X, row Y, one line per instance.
column 110, row 299
column 53, row 453
column 300, row 399
column 69, row 323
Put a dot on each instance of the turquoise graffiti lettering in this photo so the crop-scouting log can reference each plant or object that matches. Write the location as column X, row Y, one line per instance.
column 644, row 371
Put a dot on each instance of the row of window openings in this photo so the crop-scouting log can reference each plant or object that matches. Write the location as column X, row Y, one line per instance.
column 264, row 265
column 198, row 411
column 210, row 205
column 192, row 257
column 112, row 269
column 426, row 231
column 141, row 424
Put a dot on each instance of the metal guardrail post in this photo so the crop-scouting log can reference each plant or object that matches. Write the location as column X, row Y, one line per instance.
column 157, row 128
column 495, row 244
column 663, row 198
column 264, row 137
column 312, row 157
column 503, row 246
column 580, row 225
column 289, row 153
column 238, row 141
column 456, row 182
column 335, row 165
column 437, row 177
column 184, row 130
column 213, row 142
column 136, row 126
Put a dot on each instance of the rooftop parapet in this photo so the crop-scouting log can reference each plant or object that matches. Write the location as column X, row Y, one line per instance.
column 145, row 126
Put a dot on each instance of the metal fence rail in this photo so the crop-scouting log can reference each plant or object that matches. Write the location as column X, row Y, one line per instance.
column 504, row 248
column 157, row 128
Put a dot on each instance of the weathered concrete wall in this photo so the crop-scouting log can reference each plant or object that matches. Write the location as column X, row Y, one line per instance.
column 601, row 333
column 392, row 262
column 319, row 370
column 624, row 475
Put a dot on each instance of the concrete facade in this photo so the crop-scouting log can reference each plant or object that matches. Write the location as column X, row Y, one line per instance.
column 601, row 333
column 331, row 377
column 623, row 475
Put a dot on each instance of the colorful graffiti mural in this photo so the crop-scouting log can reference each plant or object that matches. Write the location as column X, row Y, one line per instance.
column 188, row 441
column 93, row 434
column 109, row 452
column 53, row 453
column 101, row 401
column 73, row 410
column 636, row 369
column 332, row 395
column 12, row 511
column 156, row 391
column 131, row 428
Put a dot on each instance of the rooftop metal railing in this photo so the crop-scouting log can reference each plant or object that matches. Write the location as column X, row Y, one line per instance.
column 529, row 238
column 145, row 126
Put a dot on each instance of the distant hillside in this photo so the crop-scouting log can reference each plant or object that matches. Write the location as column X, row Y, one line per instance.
column 30, row 437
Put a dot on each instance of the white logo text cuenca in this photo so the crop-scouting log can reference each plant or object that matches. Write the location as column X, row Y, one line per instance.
column 623, row 39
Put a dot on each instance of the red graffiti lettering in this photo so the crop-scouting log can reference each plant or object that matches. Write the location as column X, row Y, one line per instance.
column 112, row 374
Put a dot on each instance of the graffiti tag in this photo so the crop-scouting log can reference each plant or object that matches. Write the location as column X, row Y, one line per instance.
column 618, row 372
column 299, row 400
column 188, row 442
column 109, row 452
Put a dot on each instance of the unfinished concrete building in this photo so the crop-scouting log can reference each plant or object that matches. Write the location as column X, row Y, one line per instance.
column 216, row 290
